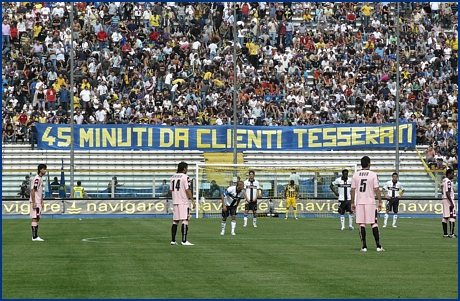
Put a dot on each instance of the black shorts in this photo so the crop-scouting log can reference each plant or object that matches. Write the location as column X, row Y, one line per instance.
column 251, row 206
column 392, row 205
column 231, row 210
column 344, row 206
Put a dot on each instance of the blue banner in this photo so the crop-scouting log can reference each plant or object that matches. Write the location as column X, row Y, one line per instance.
column 220, row 138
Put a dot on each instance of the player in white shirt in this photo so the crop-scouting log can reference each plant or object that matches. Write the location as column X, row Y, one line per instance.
column 344, row 193
column 448, row 204
column 36, row 201
column 393, row 190
column 252, row 187
column 230, row 201
column 179, row 188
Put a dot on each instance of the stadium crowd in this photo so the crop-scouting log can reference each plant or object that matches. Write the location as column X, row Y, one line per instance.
column 169, row 63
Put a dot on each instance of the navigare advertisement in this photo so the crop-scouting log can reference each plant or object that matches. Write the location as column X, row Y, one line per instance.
column 22, row 207
column 165, row 206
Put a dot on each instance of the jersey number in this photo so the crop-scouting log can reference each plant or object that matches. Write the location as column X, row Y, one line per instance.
column 176, row 184
column 362, row 185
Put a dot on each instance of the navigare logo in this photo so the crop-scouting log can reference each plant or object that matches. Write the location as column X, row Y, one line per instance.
column 73, row 209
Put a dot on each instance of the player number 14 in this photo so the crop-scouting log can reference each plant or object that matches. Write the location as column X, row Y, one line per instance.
column 176, row 184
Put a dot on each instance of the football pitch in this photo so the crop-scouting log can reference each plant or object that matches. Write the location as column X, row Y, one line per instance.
column 305, row 258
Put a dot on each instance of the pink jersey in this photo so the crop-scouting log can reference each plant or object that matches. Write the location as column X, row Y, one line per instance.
column 365, row 181
column 179, row 184
column 37, row 188
column 447, row 189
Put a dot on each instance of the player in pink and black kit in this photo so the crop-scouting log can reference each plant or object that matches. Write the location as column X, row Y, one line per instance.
column 179, row 188
column 365, row 186
column 448, row 204
column 36, row 201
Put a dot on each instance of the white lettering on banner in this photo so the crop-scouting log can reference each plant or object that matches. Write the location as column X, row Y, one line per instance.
column 163, row 206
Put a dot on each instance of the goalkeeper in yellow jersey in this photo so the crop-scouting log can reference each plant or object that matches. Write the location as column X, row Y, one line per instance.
column 291, row 193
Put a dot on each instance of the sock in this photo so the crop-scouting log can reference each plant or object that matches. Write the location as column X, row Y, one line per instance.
column 223, row 224
column 342, row 221
column 233, row 225
column 362, row 235
column 287, row 213
column 385, row 219
column 350, row 220
column 444, row 227
column 295, row 213
column 254, row 220
column 395, row 217
column 173, row 232
column 184, row 231
column 376, row 233
column 34, row 229
column 245, row 219
column 452, row 227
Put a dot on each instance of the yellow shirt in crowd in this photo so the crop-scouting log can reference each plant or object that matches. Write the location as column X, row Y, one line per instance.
column 366, row 9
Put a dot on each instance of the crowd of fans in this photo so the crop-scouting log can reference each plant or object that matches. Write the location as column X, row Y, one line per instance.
column 170, row 63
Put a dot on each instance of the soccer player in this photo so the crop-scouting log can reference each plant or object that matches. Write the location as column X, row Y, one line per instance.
column 392, row 190
column 365, row 186
column 448, row 204
column 36, row 201
column 230, row 201
column 252, row 187
column 344, row 193
column 179, row 188
column 291, row 193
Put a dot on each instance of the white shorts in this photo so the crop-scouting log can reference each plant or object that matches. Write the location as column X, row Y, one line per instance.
column 181, row 212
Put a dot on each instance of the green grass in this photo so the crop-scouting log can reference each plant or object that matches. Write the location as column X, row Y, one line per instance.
column 307, row 258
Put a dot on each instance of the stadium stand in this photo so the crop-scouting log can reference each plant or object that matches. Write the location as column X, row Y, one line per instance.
column 171, row 63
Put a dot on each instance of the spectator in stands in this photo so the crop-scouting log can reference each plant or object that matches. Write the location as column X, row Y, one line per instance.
column 9, row 135
column 452, row 145
column 164, row 189
column 149, row 47
column 440, row 164
column 450, row 160
column 429, row 155
column 214, row 190
column 115, row 184
column 55, row 185
column 19, row 132
column 295, row 177
column 24, row 192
